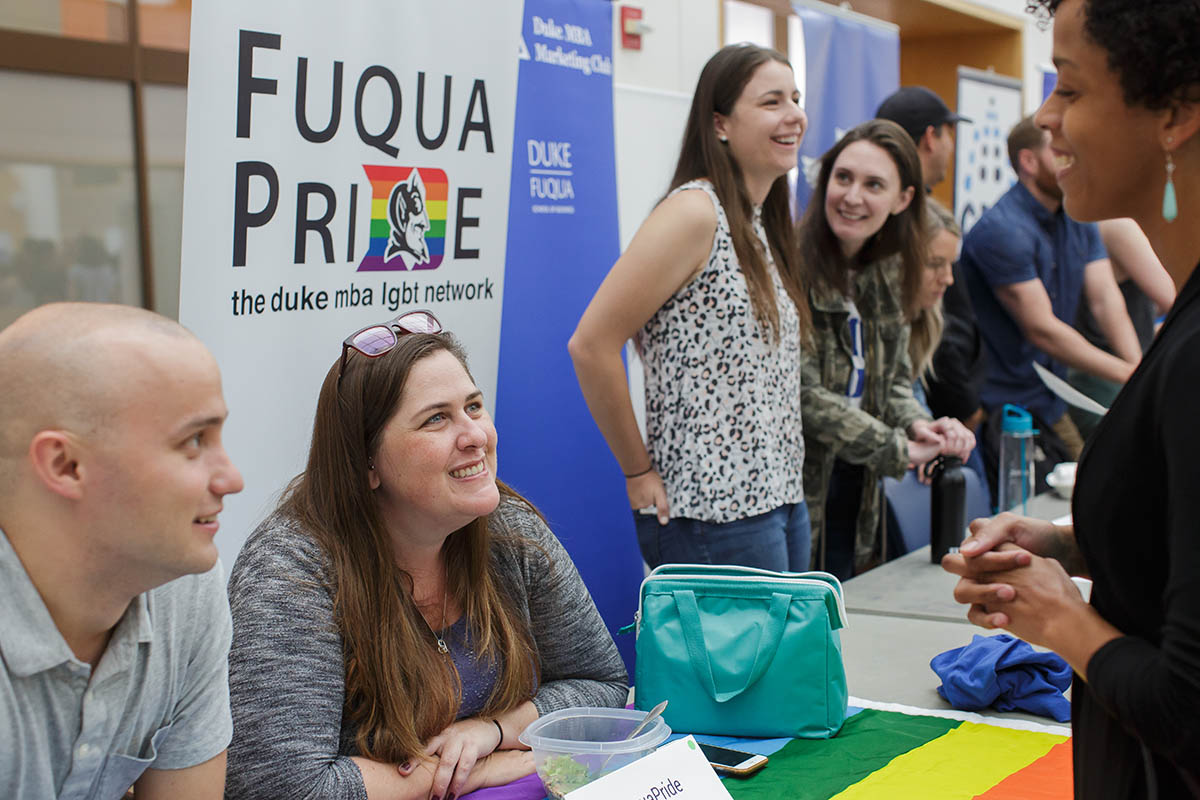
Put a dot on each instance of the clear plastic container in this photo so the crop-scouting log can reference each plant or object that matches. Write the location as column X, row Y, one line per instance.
column 574, row 746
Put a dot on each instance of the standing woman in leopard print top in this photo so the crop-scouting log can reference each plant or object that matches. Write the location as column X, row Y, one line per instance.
column 708, row 290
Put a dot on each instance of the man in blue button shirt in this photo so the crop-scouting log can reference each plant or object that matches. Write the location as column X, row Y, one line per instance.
column 1027, row 264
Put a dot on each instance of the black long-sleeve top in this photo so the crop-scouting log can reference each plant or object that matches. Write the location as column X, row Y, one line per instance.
column 1136, row 508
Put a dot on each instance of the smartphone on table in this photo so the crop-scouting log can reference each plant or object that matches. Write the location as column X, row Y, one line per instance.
column 732, row 762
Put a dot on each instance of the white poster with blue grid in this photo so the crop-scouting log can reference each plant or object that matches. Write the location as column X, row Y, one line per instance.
column 981, row 170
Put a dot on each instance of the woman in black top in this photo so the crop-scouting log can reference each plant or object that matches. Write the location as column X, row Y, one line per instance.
column 1124, row 121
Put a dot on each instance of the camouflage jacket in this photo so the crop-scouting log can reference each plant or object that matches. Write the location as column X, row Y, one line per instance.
column 873, row 435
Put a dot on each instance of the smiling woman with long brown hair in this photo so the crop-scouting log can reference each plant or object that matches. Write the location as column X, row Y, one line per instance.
column 403, row 615
column 1124, row 123
column 863, row 243
column 709, row 291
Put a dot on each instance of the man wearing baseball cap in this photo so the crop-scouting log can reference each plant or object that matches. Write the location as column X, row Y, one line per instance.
column 953, row 384
column 929, row 122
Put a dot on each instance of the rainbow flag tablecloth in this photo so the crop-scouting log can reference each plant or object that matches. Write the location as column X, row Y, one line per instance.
column 909, row 756
column 890, row 752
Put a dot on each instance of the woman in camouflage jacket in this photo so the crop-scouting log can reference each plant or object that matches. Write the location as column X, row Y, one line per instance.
column 863, row 251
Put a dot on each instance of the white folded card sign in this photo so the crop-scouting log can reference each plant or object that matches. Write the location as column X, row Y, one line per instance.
column 1068, row 392
column 676, row 771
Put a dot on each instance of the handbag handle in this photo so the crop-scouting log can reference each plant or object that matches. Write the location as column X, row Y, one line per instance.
column 693, row 635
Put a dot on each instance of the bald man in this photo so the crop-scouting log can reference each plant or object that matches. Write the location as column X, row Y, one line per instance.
column 115, row 630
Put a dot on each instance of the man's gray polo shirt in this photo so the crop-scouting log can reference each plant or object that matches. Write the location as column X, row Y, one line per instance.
column 159, row 696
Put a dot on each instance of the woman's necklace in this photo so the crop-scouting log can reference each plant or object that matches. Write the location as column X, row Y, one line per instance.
column 442, row 647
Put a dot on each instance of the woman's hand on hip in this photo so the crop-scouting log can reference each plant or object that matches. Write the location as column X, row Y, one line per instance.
column 458, row 748
column 647, row 490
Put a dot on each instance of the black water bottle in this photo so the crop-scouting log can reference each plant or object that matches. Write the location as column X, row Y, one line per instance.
column 948, row 513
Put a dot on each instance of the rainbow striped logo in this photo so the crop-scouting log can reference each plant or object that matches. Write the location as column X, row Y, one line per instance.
column 408, row 218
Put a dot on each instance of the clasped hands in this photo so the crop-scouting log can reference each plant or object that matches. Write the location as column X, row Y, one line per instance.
column 467, row 745
column 1011, row 577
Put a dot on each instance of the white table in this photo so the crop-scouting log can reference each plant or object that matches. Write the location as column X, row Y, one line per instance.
column 887, row 660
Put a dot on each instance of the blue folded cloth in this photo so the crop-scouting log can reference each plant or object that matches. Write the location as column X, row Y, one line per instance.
column 1005, row 673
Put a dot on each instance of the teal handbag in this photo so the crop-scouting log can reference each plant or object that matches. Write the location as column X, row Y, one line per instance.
column 742, row 652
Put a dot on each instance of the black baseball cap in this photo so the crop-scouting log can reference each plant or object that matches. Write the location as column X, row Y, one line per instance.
column 915, row 108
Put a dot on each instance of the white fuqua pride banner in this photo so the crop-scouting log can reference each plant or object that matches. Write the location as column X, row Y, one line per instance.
column 345, row 161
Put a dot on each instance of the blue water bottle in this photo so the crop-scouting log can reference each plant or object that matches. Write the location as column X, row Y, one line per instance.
column 1015, row 482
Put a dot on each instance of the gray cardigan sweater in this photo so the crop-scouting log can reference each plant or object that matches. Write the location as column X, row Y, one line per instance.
column 286, row 671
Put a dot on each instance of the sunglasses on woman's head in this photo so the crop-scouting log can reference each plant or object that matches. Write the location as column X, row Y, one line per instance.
column 375, row 340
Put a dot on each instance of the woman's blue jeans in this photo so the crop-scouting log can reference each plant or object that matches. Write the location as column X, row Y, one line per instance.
column 778, row 540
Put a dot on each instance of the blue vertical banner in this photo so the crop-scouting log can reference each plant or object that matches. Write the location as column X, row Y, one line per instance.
column 850, row 67
column 562, row 240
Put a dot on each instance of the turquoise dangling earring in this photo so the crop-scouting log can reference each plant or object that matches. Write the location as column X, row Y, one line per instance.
column 1170, row 209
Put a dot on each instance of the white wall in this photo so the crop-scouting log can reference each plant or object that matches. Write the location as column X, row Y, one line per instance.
column 651, row 94
column 685, row 33
column 747, row 22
